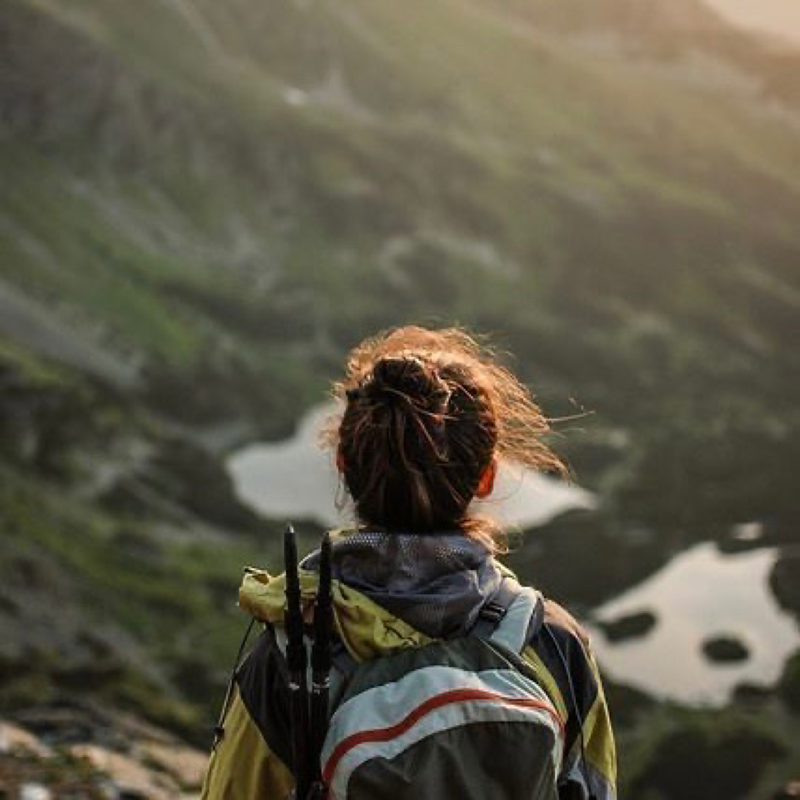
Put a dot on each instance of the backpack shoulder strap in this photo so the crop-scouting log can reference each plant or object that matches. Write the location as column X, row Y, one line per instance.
column 522, row 620
column 494, row 610
column 512, row 617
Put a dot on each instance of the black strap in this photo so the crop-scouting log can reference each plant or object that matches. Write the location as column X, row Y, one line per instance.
column 219, row 728
column 319, row 703
column 296, row 661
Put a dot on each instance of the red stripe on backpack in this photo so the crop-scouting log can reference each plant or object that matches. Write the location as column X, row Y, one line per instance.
column 430, row 705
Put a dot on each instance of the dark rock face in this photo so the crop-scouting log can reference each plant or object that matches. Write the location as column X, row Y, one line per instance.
column 40, row 422
column 725, row 650
column 562, row 557
column 784, row 582
column 715, row 761
column 788, row 792
column 48, row 645
column 789, row 684
column 752, row 694
column 196, row 480
column 627, row 704
column 180, row 479
column 629, row 626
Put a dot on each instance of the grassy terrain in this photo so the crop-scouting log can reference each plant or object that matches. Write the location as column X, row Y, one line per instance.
column 746, row 750
column 113, row 608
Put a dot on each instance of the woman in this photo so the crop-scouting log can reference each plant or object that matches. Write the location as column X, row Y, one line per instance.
column 427, row 416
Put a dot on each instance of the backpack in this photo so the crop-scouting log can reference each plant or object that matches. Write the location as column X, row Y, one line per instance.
column 463, row 717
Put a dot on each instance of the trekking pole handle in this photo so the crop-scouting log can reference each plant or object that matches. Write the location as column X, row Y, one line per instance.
column 295, row 646
column 321, row 650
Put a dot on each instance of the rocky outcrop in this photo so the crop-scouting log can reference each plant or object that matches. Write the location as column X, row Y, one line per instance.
column 790, row 791
column 76, row 654
column 783, row 580
column 725, row 649
column 88, row 752
column 627, row 704
column 629, row 626
column 42, row 415
column 715, row 760
column 789, row 685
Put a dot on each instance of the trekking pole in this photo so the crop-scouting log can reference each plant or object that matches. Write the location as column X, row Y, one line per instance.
column 296, row 663
column 321, row 663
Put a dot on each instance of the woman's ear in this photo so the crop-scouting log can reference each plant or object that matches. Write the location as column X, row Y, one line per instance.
column 486, row 483
column 339, row 460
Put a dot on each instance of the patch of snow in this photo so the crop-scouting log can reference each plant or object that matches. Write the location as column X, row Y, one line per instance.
column 295, row 97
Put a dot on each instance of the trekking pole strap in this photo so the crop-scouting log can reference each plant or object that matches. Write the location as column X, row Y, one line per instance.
column 296, row 660
column 321, row 660
column 219, row 728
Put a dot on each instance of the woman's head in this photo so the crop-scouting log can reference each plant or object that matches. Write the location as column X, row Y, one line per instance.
column 426, row 414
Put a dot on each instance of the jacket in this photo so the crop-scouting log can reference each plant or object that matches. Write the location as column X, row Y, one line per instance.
column 395, row 591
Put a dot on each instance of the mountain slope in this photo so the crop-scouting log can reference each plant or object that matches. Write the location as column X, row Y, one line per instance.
column 205, row 185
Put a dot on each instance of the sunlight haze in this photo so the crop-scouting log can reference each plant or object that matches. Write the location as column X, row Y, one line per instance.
column 778, row 17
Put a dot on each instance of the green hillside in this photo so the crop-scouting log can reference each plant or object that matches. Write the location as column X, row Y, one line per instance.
column 205, row 204
column 226, row 193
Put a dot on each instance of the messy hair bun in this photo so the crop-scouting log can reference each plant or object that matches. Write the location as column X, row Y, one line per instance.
column 425, row 413
column 404, row 378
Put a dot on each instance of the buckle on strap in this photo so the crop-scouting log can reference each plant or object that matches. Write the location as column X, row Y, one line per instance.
column 492, row 612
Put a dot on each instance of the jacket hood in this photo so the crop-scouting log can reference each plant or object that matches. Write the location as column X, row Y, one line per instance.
column 390, row 590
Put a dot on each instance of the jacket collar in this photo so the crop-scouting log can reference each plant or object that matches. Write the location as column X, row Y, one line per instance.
column 390, row 589
column 436, row 582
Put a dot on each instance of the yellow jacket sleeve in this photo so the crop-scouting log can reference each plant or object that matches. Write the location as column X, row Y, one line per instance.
column 242, row 767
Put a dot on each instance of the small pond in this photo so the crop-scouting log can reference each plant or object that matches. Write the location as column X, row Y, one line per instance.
column 700, row 594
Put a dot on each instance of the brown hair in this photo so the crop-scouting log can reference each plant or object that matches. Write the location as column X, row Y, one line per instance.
column 425, row 412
